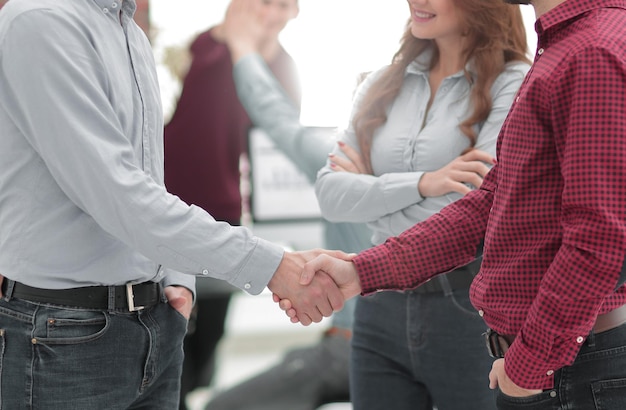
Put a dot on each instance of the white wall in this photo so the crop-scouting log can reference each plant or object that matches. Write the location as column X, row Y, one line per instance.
column 332, row 42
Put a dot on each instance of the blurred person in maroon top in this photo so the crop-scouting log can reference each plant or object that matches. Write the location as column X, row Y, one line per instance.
column 204, row 141
column 550, row 218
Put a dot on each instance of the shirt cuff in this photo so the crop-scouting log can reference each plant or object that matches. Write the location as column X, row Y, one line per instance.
column 400, row 189
column 526, row 369
column 373, row 268
column 174, row 278
column 260, row 267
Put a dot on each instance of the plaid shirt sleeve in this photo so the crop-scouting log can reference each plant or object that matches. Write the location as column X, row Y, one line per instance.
column 443, row 242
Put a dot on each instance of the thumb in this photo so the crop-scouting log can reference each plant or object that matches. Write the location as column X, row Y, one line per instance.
column 174, row 297
column 493, row 379
column 312, row 266
column 342, row 255
column 177, row 303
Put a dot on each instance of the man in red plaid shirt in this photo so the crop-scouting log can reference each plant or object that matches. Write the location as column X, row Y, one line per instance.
column 550, row 219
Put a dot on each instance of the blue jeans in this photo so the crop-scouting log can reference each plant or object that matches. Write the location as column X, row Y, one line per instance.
column 57, row 358
column 595, row 381
column 415, row 351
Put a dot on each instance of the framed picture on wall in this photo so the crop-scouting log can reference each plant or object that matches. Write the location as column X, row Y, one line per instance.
column 278, row 190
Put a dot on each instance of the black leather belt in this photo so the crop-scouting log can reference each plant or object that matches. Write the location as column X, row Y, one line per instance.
column 458, row 279
column 127, row 297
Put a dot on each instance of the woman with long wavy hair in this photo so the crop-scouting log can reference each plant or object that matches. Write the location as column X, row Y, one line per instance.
column 423, row 134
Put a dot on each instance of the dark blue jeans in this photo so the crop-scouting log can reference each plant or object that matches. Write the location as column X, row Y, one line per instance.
column 595, row 381
column 414, row 351
column 55, row 358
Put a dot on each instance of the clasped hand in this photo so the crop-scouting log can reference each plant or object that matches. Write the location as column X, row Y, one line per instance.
column 327, row 279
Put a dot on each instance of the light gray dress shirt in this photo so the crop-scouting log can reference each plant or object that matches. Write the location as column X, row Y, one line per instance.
column 82, row 200
column 411, row 142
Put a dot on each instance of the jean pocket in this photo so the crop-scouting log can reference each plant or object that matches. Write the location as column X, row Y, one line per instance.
column 609, row 394
column 178, row 314
column 66, row 327
column 544, row 400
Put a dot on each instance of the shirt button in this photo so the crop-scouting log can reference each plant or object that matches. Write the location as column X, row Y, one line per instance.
column 580, row 339
column 552, row 393
column 114, row 5
column 247, row 286
column 540, row 51
column 550, row 372
column 481, row 313
column 205, row 272
column 105, row 10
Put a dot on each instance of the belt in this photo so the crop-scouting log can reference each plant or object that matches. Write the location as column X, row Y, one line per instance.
column 127, row 297
column 458, row 279
column 498, row 344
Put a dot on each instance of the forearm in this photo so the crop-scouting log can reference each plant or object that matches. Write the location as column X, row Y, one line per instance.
column 349, row 197
column 270, row 109
column 428, row 248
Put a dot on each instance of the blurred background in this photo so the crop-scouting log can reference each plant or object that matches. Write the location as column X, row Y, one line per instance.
column 332, row 41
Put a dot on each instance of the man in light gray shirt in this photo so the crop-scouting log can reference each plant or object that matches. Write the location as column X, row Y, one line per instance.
column 91, row 243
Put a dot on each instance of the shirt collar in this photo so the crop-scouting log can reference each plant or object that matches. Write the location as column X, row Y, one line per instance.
column 571, row 9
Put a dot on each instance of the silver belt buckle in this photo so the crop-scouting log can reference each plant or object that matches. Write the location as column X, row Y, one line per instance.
column 130, row 296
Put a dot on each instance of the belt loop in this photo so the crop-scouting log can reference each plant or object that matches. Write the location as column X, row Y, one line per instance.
column 591, row 339
column 445, row 284
column 8, row 286
column 111, row 298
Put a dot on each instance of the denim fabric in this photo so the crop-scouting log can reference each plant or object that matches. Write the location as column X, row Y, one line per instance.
column 415, row 351
column 595, row 381
column 57, row 358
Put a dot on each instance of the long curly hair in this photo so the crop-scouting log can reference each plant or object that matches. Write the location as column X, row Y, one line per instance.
column 495, row 35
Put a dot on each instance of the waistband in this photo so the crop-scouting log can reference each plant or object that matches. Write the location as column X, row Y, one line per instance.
column 498, row 344
column 130, row 297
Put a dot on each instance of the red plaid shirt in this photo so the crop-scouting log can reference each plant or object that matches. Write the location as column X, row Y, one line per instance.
column 552, row 212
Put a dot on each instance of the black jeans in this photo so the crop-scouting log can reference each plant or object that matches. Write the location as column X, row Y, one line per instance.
column 596, row 380
column 413, row 351
column 88, row 358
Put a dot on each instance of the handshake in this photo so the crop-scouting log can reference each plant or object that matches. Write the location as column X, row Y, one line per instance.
column 310, row 285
